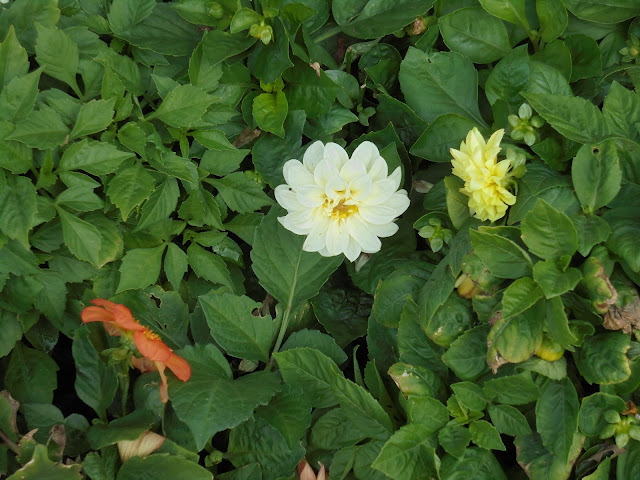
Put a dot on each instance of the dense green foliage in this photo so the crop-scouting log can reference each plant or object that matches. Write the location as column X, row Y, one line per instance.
column 140, row 145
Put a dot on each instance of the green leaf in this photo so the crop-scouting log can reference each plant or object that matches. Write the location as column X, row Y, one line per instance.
column 485, row 435
column 93, row 117
column 512, row 11
column 509, row 77
column 270, row 110
column 39, row 467
column 508, row 420
column 162, row 202
column 520, row 296
column 13, row 58
column 591, row 418
column 416, row 348
column 603, row 11
column 477, row 463
column 442, row 83
column 257, row 441
column 596, row 175
column 557, row 416
column 208, row 266
column 14, row 156
column 96, row 383
column 12, row 334
column 287, row 272
column 129, row 188
column 96, row 158
column 408, row 455
column 129, row 427
column 585, row 57
column 241, row 192
column 306, row 90
column 140, row 268
column 175, row 265
column 392, row 293
column 553, row 281
column 512, row 390
column 574, row 117
column 161, row 465
column 467, row 354
column 30, row 376
column 602, row 358
column 367, row 19
column 52, row 299
column 42, row 129
column 446, row 132
column 469, row 395
column 591, row 230
column 474, row 33
column 553, row 19
column 620, row 109
column 454, row 439
column 235, row 328
column 58, row 54
column 549, row 233
column 19, row 97
column 318, row 340
column 289, row 414
column 544, row 78
column 81, row 238
column 18, row 207
column 183, row 106
column 624, row 238
column 211, row 401
column 501, row 256
column 313, row 371
column 518, row 337
column 125, row 14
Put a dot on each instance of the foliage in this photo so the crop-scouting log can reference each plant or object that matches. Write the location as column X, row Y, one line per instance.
column 142, row 142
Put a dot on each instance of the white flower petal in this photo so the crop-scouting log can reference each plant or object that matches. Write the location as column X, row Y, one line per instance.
column 354, row 168
column 377, row 214
column 360, row 232
column 385, row 230
column 287, row 198
column 379, row 169
column 381, row 191
column 399, row 201
column 295, row 174
column 317, row 238
column 337, row 238
column 310, row 196
column 335, row 154
column 360, row 188
column 353, row 250
column 313, row 155
column 336, row 187
column 367, row 153
column 299, row 223
column 324, row 170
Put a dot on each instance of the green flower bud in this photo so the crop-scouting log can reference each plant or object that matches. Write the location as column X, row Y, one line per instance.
column 537, row 121
column 608, row 431
column 525, row 112
column 622, row 439
column 611, row 416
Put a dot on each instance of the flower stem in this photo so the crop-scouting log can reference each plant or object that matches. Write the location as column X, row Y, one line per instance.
column 283, row 330
column 124, row 387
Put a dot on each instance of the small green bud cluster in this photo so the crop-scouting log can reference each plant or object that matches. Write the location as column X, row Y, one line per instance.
column 262, row 32
column 631, row 52
column 437, row 235
column 623, row 428
column 524, row 125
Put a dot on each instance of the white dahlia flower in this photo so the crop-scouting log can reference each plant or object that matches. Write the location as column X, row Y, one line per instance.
column 342, row 204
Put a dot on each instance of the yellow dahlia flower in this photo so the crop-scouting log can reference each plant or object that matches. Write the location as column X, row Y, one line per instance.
column 341, row 204
column 486, row 181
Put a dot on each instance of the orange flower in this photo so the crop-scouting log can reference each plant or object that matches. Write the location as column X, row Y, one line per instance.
column 158, row 356
column 117, row 318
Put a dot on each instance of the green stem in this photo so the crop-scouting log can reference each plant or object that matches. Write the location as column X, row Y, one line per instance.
column 124, row 387
column 328, row 34
column 281, row 333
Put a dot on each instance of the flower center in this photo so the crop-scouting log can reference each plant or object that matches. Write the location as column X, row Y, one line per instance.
column 338, row 209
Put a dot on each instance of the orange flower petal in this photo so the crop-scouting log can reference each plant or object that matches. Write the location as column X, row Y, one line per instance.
column 150, row 346
column 143, row 364
column 164, row 387
column 96, row 314
column 123, row 317
column 101, row 302
column 179, row 366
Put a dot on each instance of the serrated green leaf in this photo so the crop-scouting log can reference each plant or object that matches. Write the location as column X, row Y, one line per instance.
column 508, row 420
column 129, row 188
column 42, row 129
column 408, row 455
column 93, row 117
column 58, row 54
column 13, row 58
column 30, row 376
column 557, row 416
column 208, row 265
column 503, row 258
column 602, row 358
column 140, row 268
column 485, row 435
column 161, row 203
column 183, row 106
column 96, row 158
column 82, row 238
